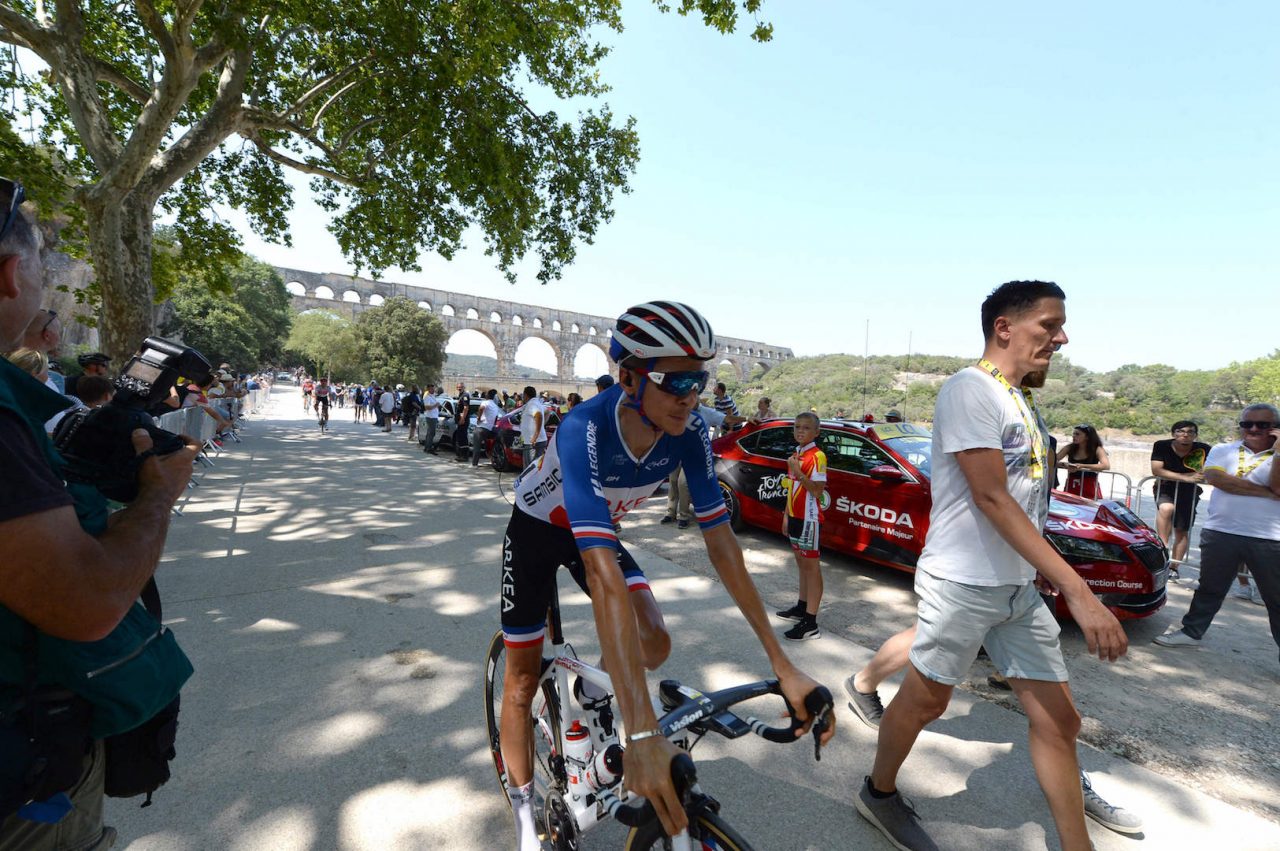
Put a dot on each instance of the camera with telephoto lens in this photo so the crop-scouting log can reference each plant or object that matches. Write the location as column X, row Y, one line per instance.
column 97, row 444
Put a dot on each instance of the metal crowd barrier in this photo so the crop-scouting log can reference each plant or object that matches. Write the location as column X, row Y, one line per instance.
column 1118, row 485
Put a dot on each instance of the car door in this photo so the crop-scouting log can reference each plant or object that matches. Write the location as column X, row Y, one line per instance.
column 880, row 519
column 756, row 476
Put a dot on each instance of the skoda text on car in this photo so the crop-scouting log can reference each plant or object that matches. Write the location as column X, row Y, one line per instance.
column 878, row 497
column 505, row 449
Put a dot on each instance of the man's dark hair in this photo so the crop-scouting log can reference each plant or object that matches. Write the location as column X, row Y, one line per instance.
column 492, row 394
column 1180, row 424
column 720, row 386
column 92, row 388
column 605, row 381
column 1015, row 298
column 529, row 392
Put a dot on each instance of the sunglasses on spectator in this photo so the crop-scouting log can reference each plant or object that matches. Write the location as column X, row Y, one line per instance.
column 1084, row 427
column 1263, row 424
column 679, row 383
column 11, row 197
column 1186, row 431
column 53, row 314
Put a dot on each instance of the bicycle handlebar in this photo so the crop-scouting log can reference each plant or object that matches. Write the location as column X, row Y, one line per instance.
column 697, row 710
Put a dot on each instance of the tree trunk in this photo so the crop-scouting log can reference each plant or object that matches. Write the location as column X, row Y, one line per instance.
column 120, row 248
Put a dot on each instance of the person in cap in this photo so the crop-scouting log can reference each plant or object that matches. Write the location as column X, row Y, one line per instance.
column 94, row 364
column 893, row 416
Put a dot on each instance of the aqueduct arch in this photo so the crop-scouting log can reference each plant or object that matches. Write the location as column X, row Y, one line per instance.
column 496, row 319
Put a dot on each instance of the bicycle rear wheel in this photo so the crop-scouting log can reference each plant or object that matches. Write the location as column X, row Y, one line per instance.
column 544, row 728
column 710, row 830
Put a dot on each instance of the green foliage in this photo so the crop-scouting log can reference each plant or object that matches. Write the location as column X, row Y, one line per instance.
column 412, row 117
column 237, row 314
column 1140, row 399
column 328, row 344
column 402, row 342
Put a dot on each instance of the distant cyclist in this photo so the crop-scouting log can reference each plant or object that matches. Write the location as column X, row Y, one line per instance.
column 604, row 460
column 322, row 393
column 307, row 387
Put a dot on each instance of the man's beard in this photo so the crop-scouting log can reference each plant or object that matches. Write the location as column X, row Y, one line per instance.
column 1034, row 380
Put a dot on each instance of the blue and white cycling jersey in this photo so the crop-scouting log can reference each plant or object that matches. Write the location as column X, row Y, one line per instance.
column 588, row 478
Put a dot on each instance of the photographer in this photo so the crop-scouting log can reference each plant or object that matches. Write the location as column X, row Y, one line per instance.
column 63, row 569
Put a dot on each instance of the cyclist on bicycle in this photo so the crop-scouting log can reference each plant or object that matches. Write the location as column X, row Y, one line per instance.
column 321, row 392
column 608, row 455
column 308, row 386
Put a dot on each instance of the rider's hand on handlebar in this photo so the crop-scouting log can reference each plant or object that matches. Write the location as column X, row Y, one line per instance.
column 795, row 688
column 647, row 772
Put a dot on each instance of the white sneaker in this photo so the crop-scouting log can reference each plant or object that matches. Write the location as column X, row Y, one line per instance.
column 1175, row 637
column 1106, row 814
column 1255, row 596
column 1238, row 590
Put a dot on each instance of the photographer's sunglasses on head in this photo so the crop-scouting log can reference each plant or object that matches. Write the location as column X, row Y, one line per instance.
column 11, row 197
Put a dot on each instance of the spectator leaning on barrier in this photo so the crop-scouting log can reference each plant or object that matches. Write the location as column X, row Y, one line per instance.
column 1242, row 525
column 1178, row 465
column 64, row 573
column 1083, row 458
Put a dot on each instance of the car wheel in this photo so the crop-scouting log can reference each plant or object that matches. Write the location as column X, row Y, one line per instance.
column 734, row 509
column 498, row 456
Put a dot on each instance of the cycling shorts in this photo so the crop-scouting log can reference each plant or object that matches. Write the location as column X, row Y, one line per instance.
column 532, row 552
column 804, row 536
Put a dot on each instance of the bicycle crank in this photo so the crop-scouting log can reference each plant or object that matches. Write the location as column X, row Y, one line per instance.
column 562, row 830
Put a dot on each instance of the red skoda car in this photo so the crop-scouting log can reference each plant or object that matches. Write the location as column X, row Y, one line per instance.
column 877, row 503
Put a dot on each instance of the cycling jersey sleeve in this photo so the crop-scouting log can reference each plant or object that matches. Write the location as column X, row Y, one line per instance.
column 700, row 473
column 590, row 518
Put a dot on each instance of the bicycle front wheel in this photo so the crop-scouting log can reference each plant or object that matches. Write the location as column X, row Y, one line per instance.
column 710, row 830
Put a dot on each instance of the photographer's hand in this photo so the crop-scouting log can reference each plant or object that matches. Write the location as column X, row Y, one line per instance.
column 165, row 474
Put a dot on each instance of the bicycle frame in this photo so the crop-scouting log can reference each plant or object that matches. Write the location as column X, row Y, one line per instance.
column 586, row 807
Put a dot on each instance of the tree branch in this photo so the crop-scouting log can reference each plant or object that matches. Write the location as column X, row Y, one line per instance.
column 155, row 25
column 299, row 165
column 107, row 73
column 222, row 119
column 346, row 137
column 18, row 26
column 319, row 88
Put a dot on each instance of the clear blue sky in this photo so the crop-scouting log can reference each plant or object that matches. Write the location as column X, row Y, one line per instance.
column 893, row 162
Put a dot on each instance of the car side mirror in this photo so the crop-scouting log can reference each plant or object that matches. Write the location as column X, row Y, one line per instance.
column 887, row 473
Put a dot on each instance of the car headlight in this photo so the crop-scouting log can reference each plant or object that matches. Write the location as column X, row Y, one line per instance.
column 1085, row 549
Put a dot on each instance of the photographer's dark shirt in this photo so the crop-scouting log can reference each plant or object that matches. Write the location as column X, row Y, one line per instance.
column 28, row 485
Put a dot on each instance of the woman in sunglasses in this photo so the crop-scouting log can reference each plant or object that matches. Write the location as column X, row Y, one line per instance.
column 1083, row 458
column 604, row 460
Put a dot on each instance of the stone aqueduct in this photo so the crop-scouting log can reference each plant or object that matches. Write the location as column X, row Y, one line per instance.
column 506, row 324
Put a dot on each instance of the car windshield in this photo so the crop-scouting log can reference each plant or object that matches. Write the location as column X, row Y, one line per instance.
column 912, row 442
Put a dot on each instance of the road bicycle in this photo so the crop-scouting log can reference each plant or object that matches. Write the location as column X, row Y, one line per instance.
column 322, row 416
column 572, row 794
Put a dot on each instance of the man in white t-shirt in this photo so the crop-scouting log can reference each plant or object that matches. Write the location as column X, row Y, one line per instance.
column 430, row 419
column 533, row 427
column 975, row 578
column 1243, row 525
column 486, row 422
column 387, row 404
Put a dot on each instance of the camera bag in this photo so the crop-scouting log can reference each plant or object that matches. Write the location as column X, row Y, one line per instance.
column 44, row 738
column 137, row 760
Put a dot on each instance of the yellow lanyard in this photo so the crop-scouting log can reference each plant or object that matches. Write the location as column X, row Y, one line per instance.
column 1026, row 405
column 1242, row 470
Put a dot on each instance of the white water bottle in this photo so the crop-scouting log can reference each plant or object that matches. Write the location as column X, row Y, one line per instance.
column 577, row 756
column 606, row 768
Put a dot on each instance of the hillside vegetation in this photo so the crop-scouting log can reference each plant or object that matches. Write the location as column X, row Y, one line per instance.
column 1138, row 399
column 484, row 365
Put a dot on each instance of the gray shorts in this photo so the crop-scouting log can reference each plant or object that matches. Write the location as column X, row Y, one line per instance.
column 1011, row 621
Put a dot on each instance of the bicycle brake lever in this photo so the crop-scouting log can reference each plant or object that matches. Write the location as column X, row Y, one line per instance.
column 820, row 705
column 819, row 727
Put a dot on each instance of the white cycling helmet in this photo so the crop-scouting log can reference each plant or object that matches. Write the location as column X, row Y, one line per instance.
column 662, row 329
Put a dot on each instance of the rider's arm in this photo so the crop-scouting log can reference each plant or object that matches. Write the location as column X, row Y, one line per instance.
column 726, row 556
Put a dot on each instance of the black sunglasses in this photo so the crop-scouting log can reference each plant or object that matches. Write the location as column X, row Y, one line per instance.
column 1262, row 424
column 1084, row 427
column 16, row 195
column 53, row 314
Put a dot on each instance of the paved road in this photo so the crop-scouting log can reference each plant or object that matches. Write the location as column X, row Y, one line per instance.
column 337, row 592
